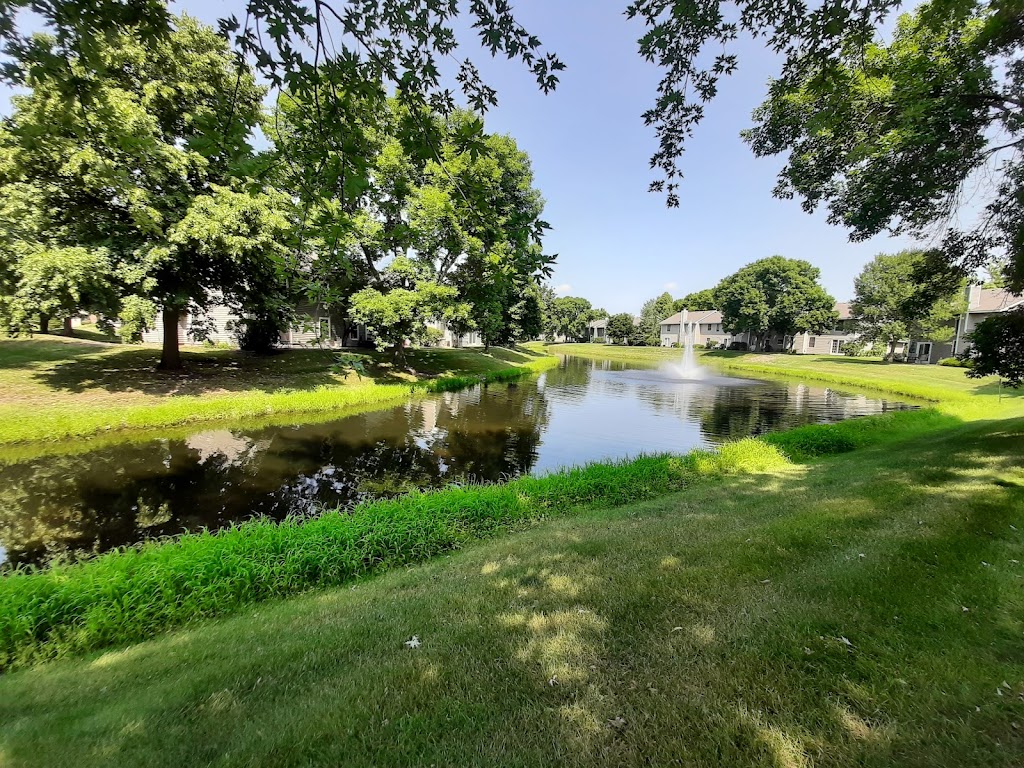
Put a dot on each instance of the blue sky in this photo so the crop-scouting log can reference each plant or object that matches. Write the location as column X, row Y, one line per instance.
column 617, row 244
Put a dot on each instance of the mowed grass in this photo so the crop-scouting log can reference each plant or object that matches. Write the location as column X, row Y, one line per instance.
column 862, row 610
column 54, row 388
column 949, row 388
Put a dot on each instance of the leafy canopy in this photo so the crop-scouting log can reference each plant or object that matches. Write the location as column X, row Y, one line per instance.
column 775, row 295
column 892, row 304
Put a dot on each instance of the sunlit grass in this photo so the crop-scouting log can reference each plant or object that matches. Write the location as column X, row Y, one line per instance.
column 55, row 388
column 862, row 611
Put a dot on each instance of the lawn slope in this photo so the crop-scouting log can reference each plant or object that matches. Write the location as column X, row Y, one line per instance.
column 862, row 610
column 55, row 388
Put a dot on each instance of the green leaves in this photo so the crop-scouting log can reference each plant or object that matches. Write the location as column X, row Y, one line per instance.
column 777, row 295
column 893, row 303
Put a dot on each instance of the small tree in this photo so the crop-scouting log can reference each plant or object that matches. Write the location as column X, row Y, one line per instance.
column 997, row 347
column 621, row 327
column 400, row 308
column 891, row 303
column 59, row 283
column 653, row 312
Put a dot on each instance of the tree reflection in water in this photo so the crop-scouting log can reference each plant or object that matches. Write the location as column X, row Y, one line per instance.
column 583, row 411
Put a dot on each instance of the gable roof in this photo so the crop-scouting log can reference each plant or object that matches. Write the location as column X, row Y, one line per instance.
column 714, row 316
column 992, row 300
column 697, row 316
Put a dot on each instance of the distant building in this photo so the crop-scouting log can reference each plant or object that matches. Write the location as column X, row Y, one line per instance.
column 315, row 326
column 702, row 325
column 597, row 331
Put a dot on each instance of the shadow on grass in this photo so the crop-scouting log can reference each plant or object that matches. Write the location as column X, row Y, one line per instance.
column 864, row 611
column 21, row 354
column 81, row 368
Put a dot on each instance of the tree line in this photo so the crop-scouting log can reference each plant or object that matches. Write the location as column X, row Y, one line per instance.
column 141, row 193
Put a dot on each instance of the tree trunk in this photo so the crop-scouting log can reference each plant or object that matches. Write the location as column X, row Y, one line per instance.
column 44, row 323
column 398, row 354
column 891, row 354
column 170, row 354
column 69, row 329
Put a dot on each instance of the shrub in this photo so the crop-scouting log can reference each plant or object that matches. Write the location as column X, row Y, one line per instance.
column 956, row 362
column 257, row 335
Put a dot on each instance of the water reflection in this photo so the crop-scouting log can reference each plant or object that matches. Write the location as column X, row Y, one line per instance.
column 583, row 411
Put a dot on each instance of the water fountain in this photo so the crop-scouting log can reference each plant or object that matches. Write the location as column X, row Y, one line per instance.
column 688, row 369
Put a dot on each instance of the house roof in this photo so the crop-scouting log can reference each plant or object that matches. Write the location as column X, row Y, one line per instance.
column 697, row 316
column 992, row 300
column 601, row 322
column 714, row 316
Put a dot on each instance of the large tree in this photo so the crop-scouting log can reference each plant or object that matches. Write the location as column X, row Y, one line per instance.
column 119, row 142
column 568, row 317
column 892, row 303
column 885, row 129
column 775, row 296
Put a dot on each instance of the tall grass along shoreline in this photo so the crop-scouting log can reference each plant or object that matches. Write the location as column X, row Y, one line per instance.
column 129, row 595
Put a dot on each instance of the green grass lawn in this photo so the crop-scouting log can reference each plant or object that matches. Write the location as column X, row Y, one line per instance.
column 949, row 388
column 863, row 610
column 53, row 387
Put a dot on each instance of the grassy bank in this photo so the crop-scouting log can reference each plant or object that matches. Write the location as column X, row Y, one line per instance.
column 134, row 594
column 56, row 388
column 864, row 610
column 948, row 388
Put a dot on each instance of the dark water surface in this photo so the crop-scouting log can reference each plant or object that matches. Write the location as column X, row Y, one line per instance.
column 580, row 412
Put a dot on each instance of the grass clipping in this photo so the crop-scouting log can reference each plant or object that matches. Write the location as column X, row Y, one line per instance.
column 133, row 594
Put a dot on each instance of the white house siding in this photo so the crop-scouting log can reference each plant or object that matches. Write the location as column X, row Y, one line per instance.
column 450, row 339
column 221, row 329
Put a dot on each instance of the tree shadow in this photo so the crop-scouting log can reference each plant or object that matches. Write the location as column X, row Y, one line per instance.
column 820, row 615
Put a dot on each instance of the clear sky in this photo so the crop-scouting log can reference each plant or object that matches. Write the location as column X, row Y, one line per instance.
column 618, row 244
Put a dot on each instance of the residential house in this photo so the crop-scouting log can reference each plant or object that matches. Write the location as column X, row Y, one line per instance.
column 706, row 327
column 982, row 303
column 597, row 331
column 702, row 326
column 832, row 341
column 315, row 326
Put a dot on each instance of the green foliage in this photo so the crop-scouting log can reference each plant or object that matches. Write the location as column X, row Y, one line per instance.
column 621, row 327
column 775, row 295
column 58, row 283
column 137, row 315
column 697, row 301
column 955, row 362
column 408, row 301
column 891, row 303
column 653, row 312
column 997, row 347
column 568, row 316
column 346, row 363
column 133, row 594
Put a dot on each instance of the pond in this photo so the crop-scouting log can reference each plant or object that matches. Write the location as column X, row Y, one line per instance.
column 91, row 501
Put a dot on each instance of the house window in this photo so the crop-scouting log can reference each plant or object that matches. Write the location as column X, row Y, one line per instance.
column 810, row 341
column 836, row 346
